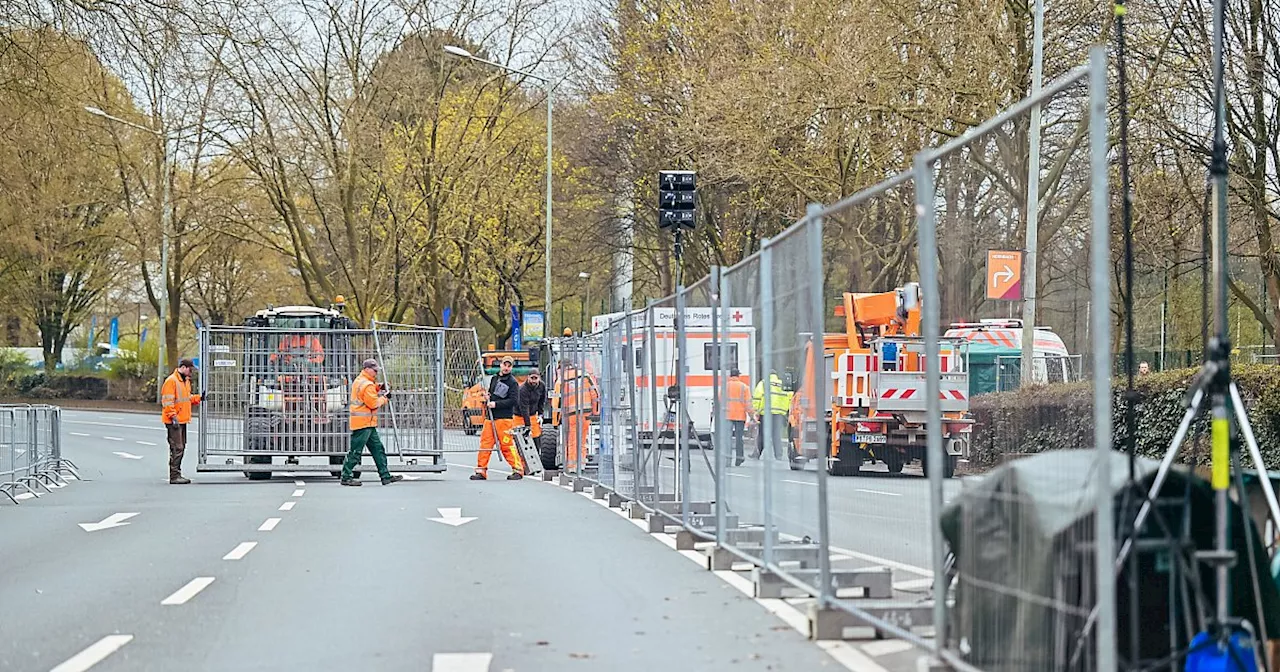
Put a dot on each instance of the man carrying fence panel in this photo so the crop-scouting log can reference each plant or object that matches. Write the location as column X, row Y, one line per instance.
column 176, row 400
column 367, row 396
column 500, row 403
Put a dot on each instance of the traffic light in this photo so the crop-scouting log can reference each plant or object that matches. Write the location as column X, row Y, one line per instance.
column 676, row 199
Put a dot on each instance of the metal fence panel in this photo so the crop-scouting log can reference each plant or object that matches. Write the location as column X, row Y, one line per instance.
column 278, row 393
column 743, row 485
column 1023, row 587
column 31, row 450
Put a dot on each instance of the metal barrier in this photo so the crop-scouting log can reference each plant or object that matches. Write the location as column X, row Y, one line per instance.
column 31, row 450
column 272, row 393
column 756, row 356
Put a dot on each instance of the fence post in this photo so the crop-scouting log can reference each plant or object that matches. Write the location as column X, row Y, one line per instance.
column 766, row 379
column 719, row 306
column 650, row 348
column 682, row 409
column 927, row 232
column 1100, row 268
column 818, row 394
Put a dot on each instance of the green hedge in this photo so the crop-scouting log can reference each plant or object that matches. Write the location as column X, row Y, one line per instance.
column 1057, row 417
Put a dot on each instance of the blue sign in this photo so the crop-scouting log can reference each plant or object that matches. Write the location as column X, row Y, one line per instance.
column 448, row 312
column 115, row 333
column 516, row 341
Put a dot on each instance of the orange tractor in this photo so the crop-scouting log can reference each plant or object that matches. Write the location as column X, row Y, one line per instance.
column 878, row 400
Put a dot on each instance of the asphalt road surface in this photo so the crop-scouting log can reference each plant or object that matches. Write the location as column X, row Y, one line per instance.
column 298, row 573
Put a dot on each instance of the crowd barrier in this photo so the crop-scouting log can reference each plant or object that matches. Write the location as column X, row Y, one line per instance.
column 31, row 451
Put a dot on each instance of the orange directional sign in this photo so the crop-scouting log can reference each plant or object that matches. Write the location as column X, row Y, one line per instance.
column 1004, row 275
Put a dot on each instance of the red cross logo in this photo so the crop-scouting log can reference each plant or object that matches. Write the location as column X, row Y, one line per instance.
column 737, row 316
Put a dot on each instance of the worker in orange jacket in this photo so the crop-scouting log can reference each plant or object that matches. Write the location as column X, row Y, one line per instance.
column 500, row 400
column 737, row 412
column 176, row 400
column 367, row 396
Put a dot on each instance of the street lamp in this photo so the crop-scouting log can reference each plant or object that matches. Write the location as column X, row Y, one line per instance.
column 585, row 277
column 164, row 235
column 463, row 53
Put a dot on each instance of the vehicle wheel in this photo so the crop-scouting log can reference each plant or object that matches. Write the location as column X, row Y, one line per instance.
column 894, row 459
column 337, row 460
column 258, row 475
column 547, row 449
column 849, row 463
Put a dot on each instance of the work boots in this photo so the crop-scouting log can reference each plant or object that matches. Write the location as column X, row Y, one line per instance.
column 178, row 480
column 394, row 479
column 354, row 482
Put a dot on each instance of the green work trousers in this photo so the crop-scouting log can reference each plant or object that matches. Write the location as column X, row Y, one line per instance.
column 359, row 439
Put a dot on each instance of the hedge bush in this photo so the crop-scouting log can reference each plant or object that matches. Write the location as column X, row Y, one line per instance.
column 1057, row 417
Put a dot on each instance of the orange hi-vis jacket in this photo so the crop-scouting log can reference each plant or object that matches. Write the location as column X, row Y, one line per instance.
column 299, row 348
column 739, row 406
column 176, row 399
column 365, row 402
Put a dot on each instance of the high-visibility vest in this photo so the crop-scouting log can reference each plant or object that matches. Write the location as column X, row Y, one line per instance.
column 779, row 397
column 176, row 399
column 739, row 405
column 365, row 402
column 299, row 349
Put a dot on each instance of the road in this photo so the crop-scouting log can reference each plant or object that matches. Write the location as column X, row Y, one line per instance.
column 302, row 574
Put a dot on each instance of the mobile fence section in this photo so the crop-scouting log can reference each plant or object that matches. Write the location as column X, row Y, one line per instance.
column 31, row 451
column 286, row 393
column 1024, row 556
column 717, row 415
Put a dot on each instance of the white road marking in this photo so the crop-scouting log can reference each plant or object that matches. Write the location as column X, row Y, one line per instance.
column 113, row 520
column 269, row 524
column 78, row 434
column 740, row 475
column 461, row 662
column 96, row 653
column 128, row 456
column 25, row 495
column 452, row 517
column 299, row 483
column 113, row 438
column 115, row 424
column 920, row 571
column 240, row 551
column 800, row 482
column 886, row 647
column 298, row 493
column 287, row 506
column 878, row 492
column 185, row 593
column 144, row 443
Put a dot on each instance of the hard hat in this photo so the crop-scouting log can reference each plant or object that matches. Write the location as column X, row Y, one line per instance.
column 340, row 299
column 568, row 331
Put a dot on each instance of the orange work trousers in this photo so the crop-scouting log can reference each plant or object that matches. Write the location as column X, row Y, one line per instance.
column 576, row 427
column 495, row 432
column 535, row 425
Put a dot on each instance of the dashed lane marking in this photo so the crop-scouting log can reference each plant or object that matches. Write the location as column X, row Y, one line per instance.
column 113, row 438
column 78, row 434
column 185, row 593
column 94, row 654
column 145, row 443
column 240, row 551
column 269, row 524
column 287, row 506
column 461, row 662
column 298, row 493
column 878, row 492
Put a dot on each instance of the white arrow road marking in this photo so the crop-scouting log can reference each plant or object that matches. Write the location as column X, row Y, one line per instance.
column 96, row 653
column 185, row 593
column 1007, row 273
column 113, row 520
column 287, row 506
column 461, row 662
column 269, row 524
column 128, row 456
column 453, row 517
column 240, row 551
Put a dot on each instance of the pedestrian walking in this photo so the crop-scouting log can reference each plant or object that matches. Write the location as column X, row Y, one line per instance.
column 176, row 401
column 500, row 402
column 737, row 411
column 367, row 396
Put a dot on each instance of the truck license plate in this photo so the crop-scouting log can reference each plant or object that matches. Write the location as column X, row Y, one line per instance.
column 870, row 438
